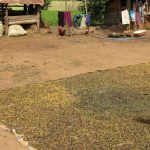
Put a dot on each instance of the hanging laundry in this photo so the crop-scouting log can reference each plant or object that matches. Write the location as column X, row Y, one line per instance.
column 83, row 22
column 132, row 15
column 137, row 13
column 76, row 19
column 61, row 19
column 67, row 18
column 125, row 17
column 88, row 20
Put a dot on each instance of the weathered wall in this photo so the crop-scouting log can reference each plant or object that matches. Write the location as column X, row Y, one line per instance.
column 112, row 12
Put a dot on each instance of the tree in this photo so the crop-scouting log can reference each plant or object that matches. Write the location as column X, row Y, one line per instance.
column 46, row 4
column 96, row 8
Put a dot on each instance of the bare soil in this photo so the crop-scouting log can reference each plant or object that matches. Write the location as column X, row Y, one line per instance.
column 8, row 141
column 38, row 58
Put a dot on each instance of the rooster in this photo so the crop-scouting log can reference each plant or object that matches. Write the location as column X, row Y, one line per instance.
column 61, row 32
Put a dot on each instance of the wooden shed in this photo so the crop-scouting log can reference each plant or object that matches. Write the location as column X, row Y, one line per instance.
column 30, row 13
column 113, row 10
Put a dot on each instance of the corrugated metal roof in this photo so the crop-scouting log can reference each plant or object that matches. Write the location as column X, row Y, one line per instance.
column 40, row 2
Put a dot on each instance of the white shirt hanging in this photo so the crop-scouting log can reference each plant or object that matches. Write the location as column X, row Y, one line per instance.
column 125, row 17
column 83, row 24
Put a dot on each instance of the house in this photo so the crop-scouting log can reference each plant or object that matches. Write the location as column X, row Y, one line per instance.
column 113, row 9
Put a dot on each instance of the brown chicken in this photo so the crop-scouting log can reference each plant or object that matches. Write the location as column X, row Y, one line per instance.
column 61, row 31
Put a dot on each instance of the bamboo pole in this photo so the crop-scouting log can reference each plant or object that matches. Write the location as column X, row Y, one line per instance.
column 85, row 1
column 73, row 3
column 147, row 3
column 66, row 5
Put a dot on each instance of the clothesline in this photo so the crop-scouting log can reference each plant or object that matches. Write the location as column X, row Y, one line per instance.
column 64, row 17
column 135, row 14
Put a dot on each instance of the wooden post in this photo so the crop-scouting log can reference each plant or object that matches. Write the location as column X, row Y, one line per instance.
column 38, row 18
column 2, row 5
column 147, row 4
column 25, row 9
column 129, row 7
column 118, row 12
column 6, row 20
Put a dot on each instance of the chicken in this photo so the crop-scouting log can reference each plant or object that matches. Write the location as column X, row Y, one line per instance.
column 61, row 32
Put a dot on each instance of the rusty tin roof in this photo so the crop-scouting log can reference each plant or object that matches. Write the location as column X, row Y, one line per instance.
column 40, row 2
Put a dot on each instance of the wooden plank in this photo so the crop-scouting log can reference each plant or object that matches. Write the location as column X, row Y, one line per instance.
column 22, row 22
column 22, row 16
column 20, row 19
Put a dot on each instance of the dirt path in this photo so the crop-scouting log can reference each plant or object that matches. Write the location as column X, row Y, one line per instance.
column 39, row 58
column 9, row 142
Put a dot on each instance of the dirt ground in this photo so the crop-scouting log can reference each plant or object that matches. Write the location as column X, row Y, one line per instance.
column 8, row 141
column 39, row 58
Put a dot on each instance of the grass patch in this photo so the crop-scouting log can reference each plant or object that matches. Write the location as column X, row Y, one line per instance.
column 51, row 16
column 95, row 111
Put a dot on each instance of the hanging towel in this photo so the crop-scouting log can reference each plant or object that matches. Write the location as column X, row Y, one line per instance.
column 61, row 19
column 76, row 20
column 125, row 17
column 67, row 18
column 132, row 15
column 88, row 20
column 83, row 24
column 138, row 14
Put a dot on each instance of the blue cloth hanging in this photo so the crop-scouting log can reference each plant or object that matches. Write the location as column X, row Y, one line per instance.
column 88, row 20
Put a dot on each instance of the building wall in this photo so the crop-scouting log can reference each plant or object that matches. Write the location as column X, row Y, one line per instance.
column 112, row 12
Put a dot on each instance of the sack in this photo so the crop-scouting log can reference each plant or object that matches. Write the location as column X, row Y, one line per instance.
column 16, row 30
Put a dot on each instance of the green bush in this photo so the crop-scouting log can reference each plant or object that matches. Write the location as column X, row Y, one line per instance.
column 96, row 8
column 50, row 17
